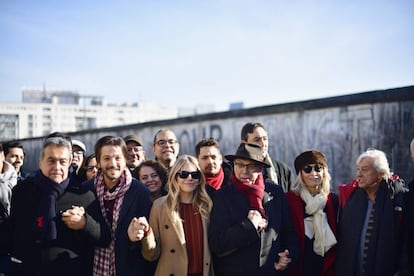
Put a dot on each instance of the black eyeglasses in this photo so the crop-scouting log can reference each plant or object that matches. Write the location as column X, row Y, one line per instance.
column 185, row 174
column 309, row 168
column 162, row 143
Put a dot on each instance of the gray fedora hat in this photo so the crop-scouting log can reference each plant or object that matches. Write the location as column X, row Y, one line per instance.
column 250, row 152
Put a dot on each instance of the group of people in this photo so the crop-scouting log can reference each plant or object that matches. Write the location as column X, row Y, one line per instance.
column 115, row 212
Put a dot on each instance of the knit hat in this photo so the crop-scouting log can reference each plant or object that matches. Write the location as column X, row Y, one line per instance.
column 250, row 152
column 310, row 157
column 134, row 138
column 79, row 144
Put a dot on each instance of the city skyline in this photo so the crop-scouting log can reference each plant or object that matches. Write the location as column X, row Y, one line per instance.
column 188, row 53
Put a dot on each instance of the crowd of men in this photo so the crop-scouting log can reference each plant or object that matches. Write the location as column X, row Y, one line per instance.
column 249, row 213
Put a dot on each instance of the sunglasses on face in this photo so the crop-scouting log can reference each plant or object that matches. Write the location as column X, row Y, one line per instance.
column 185, row 174
column 309, row 168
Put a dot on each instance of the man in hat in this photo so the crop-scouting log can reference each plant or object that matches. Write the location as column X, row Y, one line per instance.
column 250, row 231
column 136, row 152
column 279, row 173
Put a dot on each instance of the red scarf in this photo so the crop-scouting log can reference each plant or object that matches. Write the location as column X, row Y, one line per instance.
column 216, row 180
column 254, row 192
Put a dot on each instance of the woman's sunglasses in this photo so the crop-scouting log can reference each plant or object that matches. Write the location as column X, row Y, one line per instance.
column 185, row 174
column 309, row 168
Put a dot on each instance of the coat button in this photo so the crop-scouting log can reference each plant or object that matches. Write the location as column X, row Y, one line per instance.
column 172, row 250
column 166, row 226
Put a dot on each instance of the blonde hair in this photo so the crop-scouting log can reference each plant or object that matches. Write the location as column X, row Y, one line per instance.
column 325, row 187
column 201, row 201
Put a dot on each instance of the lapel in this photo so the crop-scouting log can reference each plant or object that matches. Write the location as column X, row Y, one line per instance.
column 179, row 229
column 126, row 204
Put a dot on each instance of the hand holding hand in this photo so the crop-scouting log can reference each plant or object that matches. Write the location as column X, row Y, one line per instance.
column 138, row 228
column 74, row 218
column 284, row 260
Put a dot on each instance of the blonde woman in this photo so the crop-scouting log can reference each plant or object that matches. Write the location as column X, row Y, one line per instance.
column 176, row 235
column 313, row 210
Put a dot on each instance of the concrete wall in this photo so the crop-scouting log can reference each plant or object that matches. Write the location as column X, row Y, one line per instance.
column 341, row 127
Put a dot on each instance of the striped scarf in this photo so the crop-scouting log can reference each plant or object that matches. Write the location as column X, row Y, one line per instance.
column 104, row 258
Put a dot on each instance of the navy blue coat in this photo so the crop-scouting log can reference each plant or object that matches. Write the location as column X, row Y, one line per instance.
column 128, row 257
column 237, row 248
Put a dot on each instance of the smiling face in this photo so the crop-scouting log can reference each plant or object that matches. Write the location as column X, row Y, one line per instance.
column 112, row 164
column 136, row 154
column 166, row 148
column 55, row 162
column 150, row 178
column 312, row 176
column 15, row 156
column 188, row 184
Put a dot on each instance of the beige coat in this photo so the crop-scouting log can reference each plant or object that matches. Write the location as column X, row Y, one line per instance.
column 166, row 241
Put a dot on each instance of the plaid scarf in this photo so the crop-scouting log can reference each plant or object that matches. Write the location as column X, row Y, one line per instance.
column 104, row 258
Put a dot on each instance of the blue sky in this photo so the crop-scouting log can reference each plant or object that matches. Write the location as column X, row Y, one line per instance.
column 185, row 53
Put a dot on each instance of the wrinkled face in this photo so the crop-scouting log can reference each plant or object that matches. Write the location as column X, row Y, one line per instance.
column 367, row 175
column 16, row 158
column 188, row 184
column 91, row 169
column 259, row 137
column 210, row 160
column 136, row 154
column 112, row 164
column 246, row 171
column 312, row 176
column 150, row 178
column 77, row 156
column 55, row 163
column 166, row 147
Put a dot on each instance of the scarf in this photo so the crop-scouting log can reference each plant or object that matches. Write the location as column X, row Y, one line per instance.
column 104, row 258
column 254, row 192
column 316, row 225
column 271, row 172
column 45, row 224
column 215, row 181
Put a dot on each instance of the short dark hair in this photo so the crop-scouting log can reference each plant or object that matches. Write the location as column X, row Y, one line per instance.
column 249, row 128
column 208, row 142
column 111, row 141
column 13, row 144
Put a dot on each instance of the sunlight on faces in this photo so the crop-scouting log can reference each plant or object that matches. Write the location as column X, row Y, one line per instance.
column 55, row 163
column 259, row 137
column 367, row 175
column 210, row 160
column 136, row 154
column 246, row 171
column 15, row 157
column 112, row 163
column 77, row 156
column 189, row 184
column 312, row 176
column 150, row 178
column 166, row 151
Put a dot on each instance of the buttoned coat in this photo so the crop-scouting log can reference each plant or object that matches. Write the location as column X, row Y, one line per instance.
column 166, row 242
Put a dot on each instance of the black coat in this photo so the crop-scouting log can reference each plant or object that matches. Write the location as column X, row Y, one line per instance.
column 237, row 248
column 72, row 251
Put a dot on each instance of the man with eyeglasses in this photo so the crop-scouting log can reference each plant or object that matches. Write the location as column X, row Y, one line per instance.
column 278, row 172
column 166, row 147
column 250, row 230
column 135, row 151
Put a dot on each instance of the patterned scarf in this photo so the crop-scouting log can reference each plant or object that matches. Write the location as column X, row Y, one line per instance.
column 254, row 192
column 316, row 225
column 104, row 258
column 216, row 180
column 45, row 224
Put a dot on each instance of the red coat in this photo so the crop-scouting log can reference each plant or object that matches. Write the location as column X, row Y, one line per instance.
column 297, row 215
